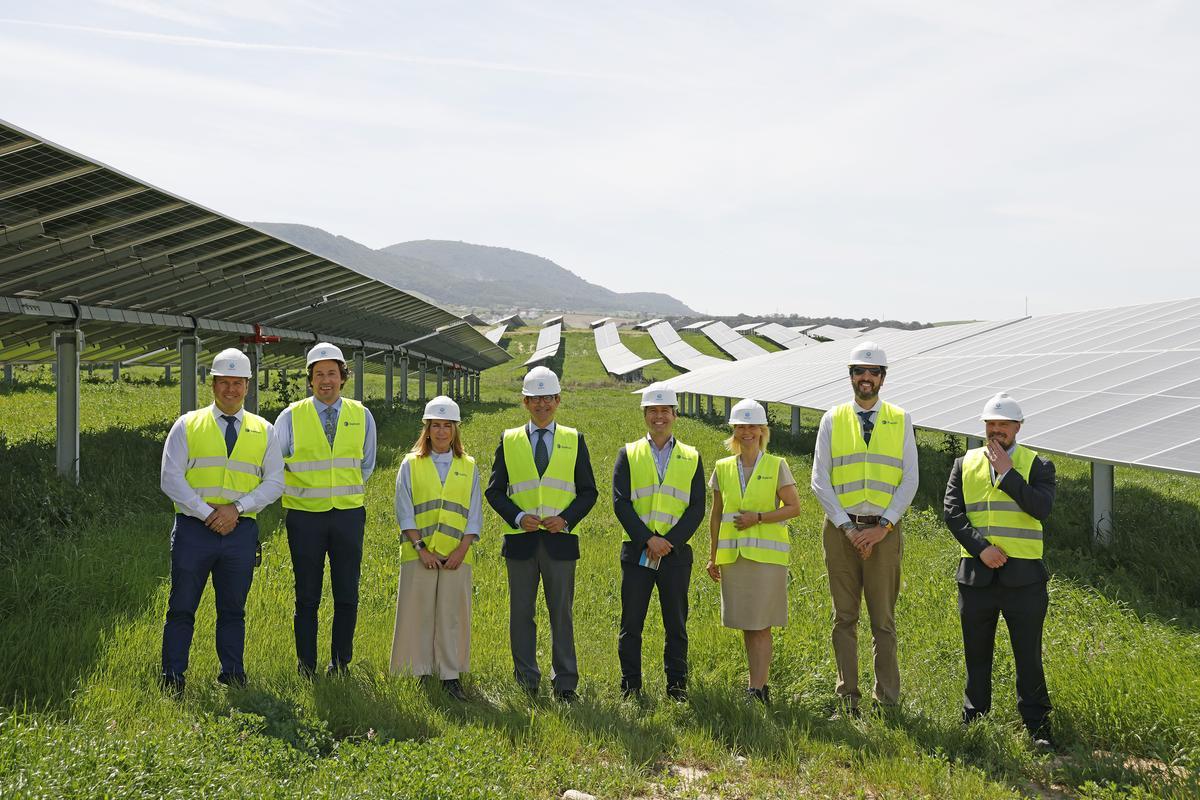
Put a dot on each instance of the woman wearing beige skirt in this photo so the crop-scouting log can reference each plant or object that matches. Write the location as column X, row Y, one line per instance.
column 439, row 507
column 754, row 495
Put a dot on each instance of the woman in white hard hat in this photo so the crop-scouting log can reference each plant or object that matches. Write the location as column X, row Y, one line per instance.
column 754, row 494
column 439, row 506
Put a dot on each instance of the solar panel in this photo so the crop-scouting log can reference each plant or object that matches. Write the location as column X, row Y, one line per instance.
column 677, row 352
column 617, row 358
column 784, row 337
column 496, row 334
column 731, row 342
column 549, row 343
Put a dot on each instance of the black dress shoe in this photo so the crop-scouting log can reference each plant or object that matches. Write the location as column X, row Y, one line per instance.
column 677, row 692
column 305, row 671
column 1042, row 740
column 337, row 670
column 172, row 684
column 453, row 687
column 630, row 689
column 566, row 696
column 237, row 679
column 762, row 695
column 530, row 691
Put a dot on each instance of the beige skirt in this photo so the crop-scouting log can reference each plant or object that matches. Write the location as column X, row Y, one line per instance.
column 753, row 595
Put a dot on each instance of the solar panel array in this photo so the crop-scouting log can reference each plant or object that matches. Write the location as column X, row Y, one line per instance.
column 784, row 337
column 695, row 326
column 731, row 342
column 512, row 321
column 494, row 335
column 1114, row 385
column 617, row 358
column 645, row 326
column 749, row 326
column 833, row 332
column 679, row 353
column 549, row 344
column 553, row 320
column 134, row 268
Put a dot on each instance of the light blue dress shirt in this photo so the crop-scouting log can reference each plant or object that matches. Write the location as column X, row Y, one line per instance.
column 286, row 438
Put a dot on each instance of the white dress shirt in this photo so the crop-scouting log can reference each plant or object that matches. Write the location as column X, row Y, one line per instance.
column 404, row 501
column 174, row 467
column 822, row 484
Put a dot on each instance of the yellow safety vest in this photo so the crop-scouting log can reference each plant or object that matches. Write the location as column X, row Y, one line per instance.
column 994, row 513
column 441, row 508
column 548, row 495
column 865, row 477
column 318, row 477
column 767, row 542
column 219, row 478
column 660, row 505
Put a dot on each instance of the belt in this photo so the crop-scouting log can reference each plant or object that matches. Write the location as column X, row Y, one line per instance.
column 859, row 519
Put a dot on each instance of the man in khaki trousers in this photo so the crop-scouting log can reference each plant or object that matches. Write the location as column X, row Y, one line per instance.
column 865, row 476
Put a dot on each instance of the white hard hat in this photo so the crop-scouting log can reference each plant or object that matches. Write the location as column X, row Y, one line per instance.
column 540, row 381
column 232, row 363
column 658, row 395
column 868, row 354
column 324, row 351
column 1002, row 406
column 442, row 407
column 747, row 412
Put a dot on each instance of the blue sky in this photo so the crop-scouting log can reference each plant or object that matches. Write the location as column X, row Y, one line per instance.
column 908, row 160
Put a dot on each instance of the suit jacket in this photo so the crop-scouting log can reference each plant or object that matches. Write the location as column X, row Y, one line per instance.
column 1035, row 497
column 560, row 546
column 680, row 532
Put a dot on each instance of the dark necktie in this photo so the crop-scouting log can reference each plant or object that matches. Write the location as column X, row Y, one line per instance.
column 867, row 425
column 230, row 432
column 541, row 453
column 330, row 425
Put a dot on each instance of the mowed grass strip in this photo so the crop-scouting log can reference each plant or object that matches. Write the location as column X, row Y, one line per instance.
column 85, row 579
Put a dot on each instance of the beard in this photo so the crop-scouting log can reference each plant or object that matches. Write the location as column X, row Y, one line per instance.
column 868, row 395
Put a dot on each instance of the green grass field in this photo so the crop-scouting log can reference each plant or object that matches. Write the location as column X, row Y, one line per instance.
column 83, row 588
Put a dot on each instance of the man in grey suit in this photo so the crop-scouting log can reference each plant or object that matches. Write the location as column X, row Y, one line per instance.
column 997, row 497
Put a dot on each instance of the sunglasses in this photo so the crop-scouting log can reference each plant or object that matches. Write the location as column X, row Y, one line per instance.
column 857, row 371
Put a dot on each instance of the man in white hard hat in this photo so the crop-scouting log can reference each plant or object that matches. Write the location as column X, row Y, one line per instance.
column 220, row 467
column 865, row 476
column 658, row 497
column 328, row 447
column 542, row 487
column 997, row 498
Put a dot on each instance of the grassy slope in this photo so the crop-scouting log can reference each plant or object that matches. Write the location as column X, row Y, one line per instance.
column 84, row 588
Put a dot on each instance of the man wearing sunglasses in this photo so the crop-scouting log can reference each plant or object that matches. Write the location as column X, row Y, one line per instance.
column 865, row 476
column 542, row 487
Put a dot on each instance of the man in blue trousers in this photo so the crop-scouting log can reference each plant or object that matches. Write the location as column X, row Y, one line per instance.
column 220, row 467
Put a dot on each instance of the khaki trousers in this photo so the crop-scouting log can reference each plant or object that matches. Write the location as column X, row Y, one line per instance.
column 433, row 621
column 878, row 579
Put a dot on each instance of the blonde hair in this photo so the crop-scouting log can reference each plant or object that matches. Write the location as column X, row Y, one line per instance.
column 423, row 446
column 764, row 436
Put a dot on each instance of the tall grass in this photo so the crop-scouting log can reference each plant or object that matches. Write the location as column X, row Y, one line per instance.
column 85, row 578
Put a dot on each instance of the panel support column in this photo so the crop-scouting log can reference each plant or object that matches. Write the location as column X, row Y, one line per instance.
column 188, row 347
column 728, row 407
column 360, row 374
column 1102, row 504
column 795, row 420
column 8, row 375
column 441, row 375
column 116, row 372
column 254, row 352
column 421, row 398
column 389, row 366
column 67, row 346
column 403, row 380
column 711, row 410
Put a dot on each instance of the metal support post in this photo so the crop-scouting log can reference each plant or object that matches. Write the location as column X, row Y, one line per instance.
column 974, row 442
column 116, row 372
column 251, row 401
column 728, row 407
column 441, row 376
column 167, row 373
column 67, row 346
column 421, row 398
column 8, row 375
column 478, row 379
column 1102, row 504
column 360, row 374
column 188, row 347
column 711, row 410
column 389, row 366
column 795, row 420
column 403, row 379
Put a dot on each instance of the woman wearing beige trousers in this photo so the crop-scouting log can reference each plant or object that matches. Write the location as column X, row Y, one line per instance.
column 439, row 507
column 754, row 494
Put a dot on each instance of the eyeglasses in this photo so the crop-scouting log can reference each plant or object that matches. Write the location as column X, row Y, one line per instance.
column 875, row 371
column 544, row 399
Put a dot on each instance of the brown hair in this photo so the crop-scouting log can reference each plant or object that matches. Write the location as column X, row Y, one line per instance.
column 422, row 447
column 342, row 368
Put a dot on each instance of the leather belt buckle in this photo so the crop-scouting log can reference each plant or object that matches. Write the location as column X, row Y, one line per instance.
column 859, row 519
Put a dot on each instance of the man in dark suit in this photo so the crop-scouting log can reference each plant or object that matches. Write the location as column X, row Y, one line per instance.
column 997, row 497
column 542, row 487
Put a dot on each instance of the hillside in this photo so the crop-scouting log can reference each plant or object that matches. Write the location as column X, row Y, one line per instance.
column 476, row 276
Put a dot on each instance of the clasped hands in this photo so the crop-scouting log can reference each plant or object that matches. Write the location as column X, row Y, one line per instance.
column 223, row 519
column 865, row 539
column 451, row 562
column 532, row 522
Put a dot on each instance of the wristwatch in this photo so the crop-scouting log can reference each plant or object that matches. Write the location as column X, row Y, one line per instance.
column 420, row 544
column 887, row 526
column 238, row 505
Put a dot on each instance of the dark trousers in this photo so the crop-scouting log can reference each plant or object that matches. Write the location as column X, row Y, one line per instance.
column 558, row 581
column 312, row 535
column 197, row 553
column 637, row 584
column 1024, row 609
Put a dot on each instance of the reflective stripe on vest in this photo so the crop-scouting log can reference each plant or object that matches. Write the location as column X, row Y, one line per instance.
column 219, row 478
column 767, row 542
column 318, row 477
column 865, row 477
column 548, row 495
column 441, row 509
column 993, row 513
column 660, row 505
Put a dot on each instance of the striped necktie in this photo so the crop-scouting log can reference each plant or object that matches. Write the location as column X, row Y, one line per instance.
column 867, row 425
